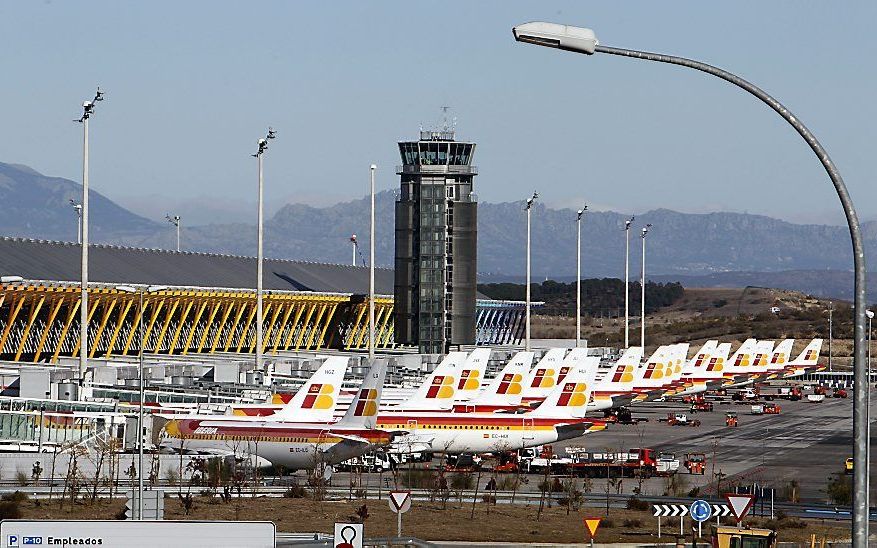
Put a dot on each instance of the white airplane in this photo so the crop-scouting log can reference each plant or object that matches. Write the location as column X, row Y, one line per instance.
column 295, row 445
column 559, row 417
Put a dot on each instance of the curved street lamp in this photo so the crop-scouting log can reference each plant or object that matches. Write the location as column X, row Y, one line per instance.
column 582, row 40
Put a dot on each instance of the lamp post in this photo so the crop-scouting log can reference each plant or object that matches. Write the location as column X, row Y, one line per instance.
column 87, row 111
column 78, row 209
column 870, row 315
column 175, row 220
column 353, row 242
column 263, row 146
column 130, row 289
column 581, row 40
column 627, row 224
column 579, row 214
column 530, row 201
column 371, row 270
column 642, row 336
column 830, row 334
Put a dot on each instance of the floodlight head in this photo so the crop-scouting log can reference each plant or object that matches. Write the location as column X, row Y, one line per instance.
column 271, row 133
column 87, row 104
column 262, row 142
column 99, row 96
column 554, row 35
column 581, row 212
column 353, row 238
column 373, row 167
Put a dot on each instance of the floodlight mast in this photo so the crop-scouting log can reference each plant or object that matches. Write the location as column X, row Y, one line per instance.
column 87, row 111
column 642, row 337
column 627, row 224
column 530, row 201
column 175, row 220
column 585, row 41
column 579, row 215
column 263, row 146
column 78, row 209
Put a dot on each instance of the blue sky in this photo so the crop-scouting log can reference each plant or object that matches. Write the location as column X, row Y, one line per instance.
column 192, row 85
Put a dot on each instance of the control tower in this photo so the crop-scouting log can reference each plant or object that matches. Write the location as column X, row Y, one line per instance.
column 436, row 237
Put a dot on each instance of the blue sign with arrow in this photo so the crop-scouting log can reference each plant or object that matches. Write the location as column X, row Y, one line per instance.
column 701, row 510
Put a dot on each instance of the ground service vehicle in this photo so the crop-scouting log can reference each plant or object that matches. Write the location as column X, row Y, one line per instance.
column 791, row 393
column 681, row 419
column 765, row 409
column 666, row 465
column 632, row 463
column 695, row 463
column 740, row 537
column 731, row 419
column 848, row 465
column 839, row 393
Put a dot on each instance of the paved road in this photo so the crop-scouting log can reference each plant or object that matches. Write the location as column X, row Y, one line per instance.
column 807, row 442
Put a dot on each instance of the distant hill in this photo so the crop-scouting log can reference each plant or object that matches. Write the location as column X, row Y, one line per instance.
column 37, row 206
column 730, row 248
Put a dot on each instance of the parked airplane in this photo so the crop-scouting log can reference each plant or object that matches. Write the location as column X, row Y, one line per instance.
column 505, row 391
column 558, row 417
column 294, row 445
column 315, row 400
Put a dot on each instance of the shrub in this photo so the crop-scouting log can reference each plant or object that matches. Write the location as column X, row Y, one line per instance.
column 634, row 503
column 295, row 491
column 489, row 499
column 417, row 479
column 21, row 478
column 10, row 510
column 607, row 523
column 462, row 481
column 17, row 496
column 631, row 523
column 840, row 490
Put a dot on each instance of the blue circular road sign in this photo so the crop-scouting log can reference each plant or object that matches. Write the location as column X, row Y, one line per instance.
column 700, row 510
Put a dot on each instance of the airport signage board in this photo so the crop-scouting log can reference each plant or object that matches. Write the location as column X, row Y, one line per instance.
column 18, row 533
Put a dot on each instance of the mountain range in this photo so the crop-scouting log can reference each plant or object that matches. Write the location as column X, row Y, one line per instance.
column 698, row 249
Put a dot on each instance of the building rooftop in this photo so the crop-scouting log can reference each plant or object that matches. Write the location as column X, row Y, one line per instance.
column 60, row 261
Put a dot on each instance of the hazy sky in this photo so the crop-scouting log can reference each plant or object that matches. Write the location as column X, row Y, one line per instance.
column 192, row 85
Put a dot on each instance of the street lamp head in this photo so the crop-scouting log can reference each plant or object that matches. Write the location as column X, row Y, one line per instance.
column 99, row 95
column 554, row 35
column 532, row 199
column 646, row 229
column 271, row 133
column 581, row 212
column 353, row 238
column 628, row 222
column 373, row 167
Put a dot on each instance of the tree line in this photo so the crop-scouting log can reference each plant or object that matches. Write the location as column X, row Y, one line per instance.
column 598, row 294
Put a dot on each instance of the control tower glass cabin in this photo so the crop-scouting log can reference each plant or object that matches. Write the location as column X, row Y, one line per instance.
column 436, row 237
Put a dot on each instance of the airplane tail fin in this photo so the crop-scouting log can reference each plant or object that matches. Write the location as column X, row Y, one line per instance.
column 569, row 399
column 363, row 410
column 315, row 400
column 810, row 355
column 438, row 389
column 542, row 379
column 471, row 374
column 781, row 354
column 507, row 386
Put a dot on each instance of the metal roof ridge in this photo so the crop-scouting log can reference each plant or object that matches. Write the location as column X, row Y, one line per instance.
column 174, row 252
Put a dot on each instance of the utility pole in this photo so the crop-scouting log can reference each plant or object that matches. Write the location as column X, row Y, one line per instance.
column 263, row 146
column 643, row 289
column 579, row 214
column 87, row 111
column 627, row 224
column 527, row 312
